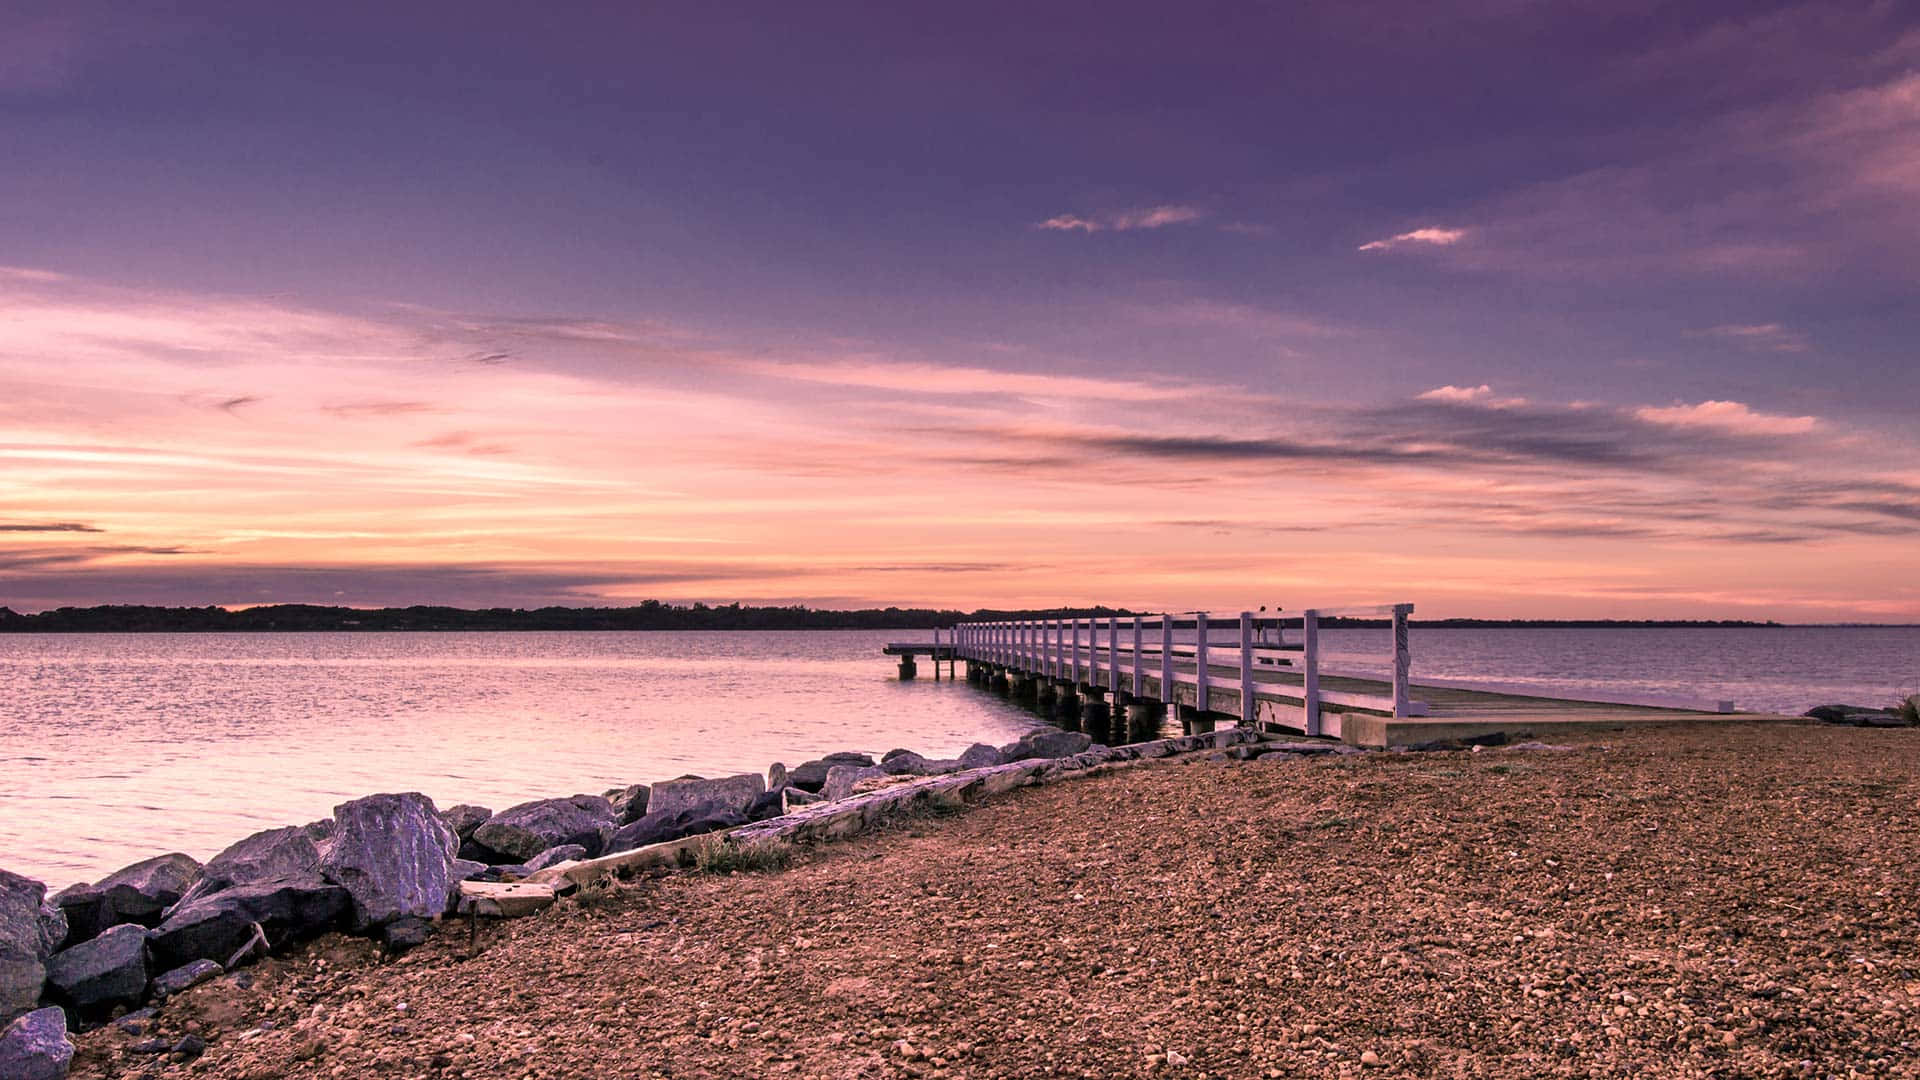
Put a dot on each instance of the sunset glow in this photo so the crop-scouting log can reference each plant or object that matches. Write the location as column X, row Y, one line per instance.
column 675, row 312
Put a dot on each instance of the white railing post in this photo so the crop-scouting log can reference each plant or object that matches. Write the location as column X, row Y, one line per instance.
column 1402, row 660
column 1249, row 708
column 1076, row 655
column 1310, row 664
column 1113, row 656
column 1167, row 697
column 1202, row 677
column 1138, row 678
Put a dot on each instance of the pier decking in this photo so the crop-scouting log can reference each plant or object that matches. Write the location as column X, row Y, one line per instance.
column 1121, row 678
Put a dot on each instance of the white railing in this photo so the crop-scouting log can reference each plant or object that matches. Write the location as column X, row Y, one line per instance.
column 1075, row 650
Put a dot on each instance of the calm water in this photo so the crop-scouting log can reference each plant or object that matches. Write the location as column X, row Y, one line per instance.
column 116, row 747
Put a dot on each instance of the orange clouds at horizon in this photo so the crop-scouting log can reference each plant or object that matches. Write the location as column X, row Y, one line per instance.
column 174, row 448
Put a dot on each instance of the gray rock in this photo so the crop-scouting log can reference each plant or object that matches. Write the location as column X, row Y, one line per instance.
column 31, row 928
column 980, row 756
column 776, row 776
column 902, row 763
column 35, row 1047
column 842, row 778
column 393, row 855
column 735, row 793
column 630, row 803
column 215, row 927
column 108, row 970
column 1046, row 743
column 188, row 1048
column 773, row 804
column 563, row 853
column 523, row 831
column 184, row 977
column 812, row 775
column 796, row 797
column 658, row 828
column 141, row 893
column 84, row 907
column 465, row 818
column 268, row 855
column 407, row 932
column 468, row 869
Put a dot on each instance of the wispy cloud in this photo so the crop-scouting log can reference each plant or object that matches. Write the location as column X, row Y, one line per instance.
column 49, row 527
column 1471, row 395
column 850, row 469
column 1731, row 416
column 1151, row 217
column 1759, row 337
column 1431, row 236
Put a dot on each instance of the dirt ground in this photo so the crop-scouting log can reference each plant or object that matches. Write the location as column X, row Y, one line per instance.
column 1690, row 902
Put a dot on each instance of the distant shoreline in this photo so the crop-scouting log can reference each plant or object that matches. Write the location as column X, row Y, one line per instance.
column 657, row 616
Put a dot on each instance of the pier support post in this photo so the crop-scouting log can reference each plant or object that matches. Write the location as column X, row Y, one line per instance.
column 1195, row 722
column 997, row 681
column 1066, row 705
column 1044, row 692
column 1095, row 716
column 1143, row 721
column 907, row 669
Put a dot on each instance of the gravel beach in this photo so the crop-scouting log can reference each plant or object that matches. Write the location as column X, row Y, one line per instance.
column 1714, row 901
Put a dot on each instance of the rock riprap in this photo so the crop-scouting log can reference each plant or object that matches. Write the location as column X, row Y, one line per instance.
column 105, row 971
column 524, row 831
column 268, row 855
column 140, row 893
column 394, row 856
column 30, row 930
column 812, row 775
column 736, row 793
column 35, row 1047
column 217, row 927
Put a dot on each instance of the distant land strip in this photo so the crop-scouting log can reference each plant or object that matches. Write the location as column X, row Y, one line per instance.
column 655, row 615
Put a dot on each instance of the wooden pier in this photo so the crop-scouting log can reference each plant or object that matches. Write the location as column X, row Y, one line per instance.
column 1123, row 678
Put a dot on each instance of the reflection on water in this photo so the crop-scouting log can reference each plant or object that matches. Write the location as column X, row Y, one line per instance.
column 116, row 747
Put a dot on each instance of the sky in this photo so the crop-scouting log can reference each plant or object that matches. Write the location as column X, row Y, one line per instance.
column 1502, row 308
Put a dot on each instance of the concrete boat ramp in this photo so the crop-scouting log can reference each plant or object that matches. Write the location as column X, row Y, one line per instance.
column 1127, row 679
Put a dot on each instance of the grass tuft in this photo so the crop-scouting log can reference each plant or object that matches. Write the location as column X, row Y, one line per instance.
column 718, row 855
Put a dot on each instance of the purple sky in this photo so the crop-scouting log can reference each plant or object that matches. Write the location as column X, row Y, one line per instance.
column 722, row 274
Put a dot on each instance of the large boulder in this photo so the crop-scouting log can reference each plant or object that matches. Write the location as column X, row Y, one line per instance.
column 629, row 803
column 31, row 929
column 465, row 818
column 842, row 778
column 812, row 775
column 140, row 893
column 218, row 926
column 1046, row 743
column 35, row 1047
column 728, row 792
column 658, row 828
column 268, row 855
column 394, row 856
column 908, row 763
column 1910, row 709
column 109, row 970
column 523, row 831
column 980, row 756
